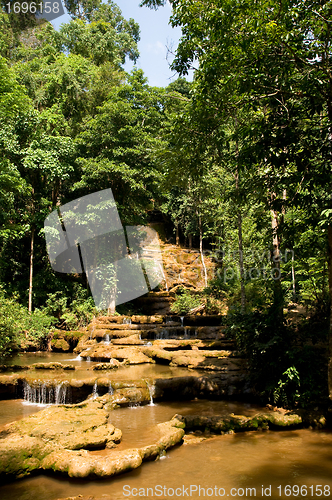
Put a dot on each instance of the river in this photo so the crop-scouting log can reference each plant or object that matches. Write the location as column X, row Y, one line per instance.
column 252, row 464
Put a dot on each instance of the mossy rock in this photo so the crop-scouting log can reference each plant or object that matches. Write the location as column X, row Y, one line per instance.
column 63, row 341
column 60, row 345
column 52, row 366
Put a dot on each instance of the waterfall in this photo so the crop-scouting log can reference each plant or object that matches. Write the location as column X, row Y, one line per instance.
column 110, row 389
column 186, row 336
column 60, row 393
column 41, row 394
column 126, row 321
column 88, row 358
column 106, row 338
column 163, row 334
column 94, row 390
column 182, row 318
column 139, row 336
column 78, row 358
column 151, row 392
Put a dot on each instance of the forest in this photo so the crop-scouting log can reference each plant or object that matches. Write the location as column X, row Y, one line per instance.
column 236, row 163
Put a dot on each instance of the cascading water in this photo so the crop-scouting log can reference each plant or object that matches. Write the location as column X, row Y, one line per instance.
column 186, row 336
column 110, row 389
column 182, row 318
column 106, row 339
column 60, row 393
column 95, row 390
column 42, row 394
column 126, row 321
column 151, row 392
column 163, row 335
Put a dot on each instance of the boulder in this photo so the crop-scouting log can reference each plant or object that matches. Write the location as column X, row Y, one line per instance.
column 82, row 426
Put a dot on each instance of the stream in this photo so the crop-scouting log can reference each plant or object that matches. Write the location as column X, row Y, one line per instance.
column 261, row 464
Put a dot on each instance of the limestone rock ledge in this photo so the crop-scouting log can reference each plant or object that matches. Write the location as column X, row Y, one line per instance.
column 59, row 438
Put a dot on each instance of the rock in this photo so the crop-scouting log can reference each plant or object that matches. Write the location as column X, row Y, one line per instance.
column 130, row 340
column 193, row 439
column 48, row 442
column 113, row 364
column 52, row 366
column 63, row 341
column 132, row 356
column 148, row 319
column 72, row 427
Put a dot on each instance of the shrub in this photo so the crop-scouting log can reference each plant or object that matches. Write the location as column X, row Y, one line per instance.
column 185, row 302
column 18, row 328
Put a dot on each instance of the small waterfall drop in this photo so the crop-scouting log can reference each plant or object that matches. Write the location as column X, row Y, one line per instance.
column 95, row 390
column 163, row 334
column 41, row 394
column 60, row 393
column 151, row 392
column 126, row 321
column 110, row 389
column 182, row 318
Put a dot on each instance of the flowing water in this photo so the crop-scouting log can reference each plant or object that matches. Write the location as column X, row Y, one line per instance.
column 252, row 464
column 236, row 466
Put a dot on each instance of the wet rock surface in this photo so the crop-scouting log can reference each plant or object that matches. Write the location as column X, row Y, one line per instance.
column 58, row 439
column 82, row 426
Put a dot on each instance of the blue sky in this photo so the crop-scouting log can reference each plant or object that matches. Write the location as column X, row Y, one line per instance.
column 156, row 35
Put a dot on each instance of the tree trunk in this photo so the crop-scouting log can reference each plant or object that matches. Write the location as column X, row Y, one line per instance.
column 276, row 272
column 330, row 326
column 177, row 237
column 201, row 248
column 31, row 269
column 240, row 244
column 293, row 279
column 243, row 291
column 190, row 237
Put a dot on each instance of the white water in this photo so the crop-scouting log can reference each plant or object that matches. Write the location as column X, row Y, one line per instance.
column 42, row 394
column 163, row 334
column 110, row 389
column 182, row 318
column 95, row 390
column 151, row 392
